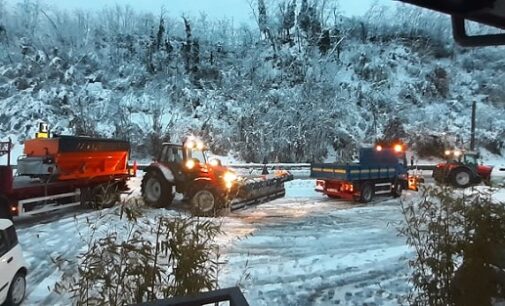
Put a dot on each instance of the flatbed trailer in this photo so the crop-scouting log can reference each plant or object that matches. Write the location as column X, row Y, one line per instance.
column 381, row 171
column 64, row 171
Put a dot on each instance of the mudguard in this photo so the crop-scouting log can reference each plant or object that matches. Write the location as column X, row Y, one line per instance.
column 167, row 173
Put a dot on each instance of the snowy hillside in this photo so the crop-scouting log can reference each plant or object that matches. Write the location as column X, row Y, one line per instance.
column 306, row 81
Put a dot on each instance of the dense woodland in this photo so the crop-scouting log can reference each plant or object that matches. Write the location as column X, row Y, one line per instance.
column 300, row 83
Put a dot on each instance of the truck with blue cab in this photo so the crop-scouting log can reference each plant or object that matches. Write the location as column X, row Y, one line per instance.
column 382, row 170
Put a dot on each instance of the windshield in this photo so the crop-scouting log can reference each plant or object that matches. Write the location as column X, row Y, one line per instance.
column 470, row 159
column 200, row 155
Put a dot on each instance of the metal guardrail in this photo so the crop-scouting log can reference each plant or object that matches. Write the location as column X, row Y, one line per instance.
column 232, row 295
column 288, row 166
column 285, row 166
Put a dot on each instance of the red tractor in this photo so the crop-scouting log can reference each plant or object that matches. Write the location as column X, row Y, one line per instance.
column 208, row 186
column 462, row 170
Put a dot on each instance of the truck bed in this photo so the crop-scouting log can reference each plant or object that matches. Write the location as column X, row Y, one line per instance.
column 351, row 172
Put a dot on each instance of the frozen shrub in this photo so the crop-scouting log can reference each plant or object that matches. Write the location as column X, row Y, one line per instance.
column 440, row 79
column 427, row 145
column 141, row 260
column 394, row 129
column 494, row 145
column 459, row 244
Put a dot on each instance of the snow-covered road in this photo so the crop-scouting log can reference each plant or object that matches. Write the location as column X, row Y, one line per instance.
column 304, row 249
column 309, row 250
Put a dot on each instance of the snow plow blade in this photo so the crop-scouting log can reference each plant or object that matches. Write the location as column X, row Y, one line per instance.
column 253, row 191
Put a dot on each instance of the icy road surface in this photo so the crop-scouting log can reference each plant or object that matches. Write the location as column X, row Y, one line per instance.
column 304, row 249
column 309, row 250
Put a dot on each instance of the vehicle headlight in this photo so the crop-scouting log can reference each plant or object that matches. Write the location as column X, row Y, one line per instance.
column 190, row 164
column 229, row 178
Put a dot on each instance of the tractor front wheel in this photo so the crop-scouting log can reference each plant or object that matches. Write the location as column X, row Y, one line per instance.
column 156, row 191
column 205, row 200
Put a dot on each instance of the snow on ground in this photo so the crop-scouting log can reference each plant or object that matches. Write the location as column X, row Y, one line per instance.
column 308, row 250
column 300, row 250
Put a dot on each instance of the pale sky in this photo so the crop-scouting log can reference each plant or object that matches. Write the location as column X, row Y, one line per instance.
column 237, row 9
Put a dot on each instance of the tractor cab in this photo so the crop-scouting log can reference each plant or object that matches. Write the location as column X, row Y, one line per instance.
column 189, row 160
column 467, row 158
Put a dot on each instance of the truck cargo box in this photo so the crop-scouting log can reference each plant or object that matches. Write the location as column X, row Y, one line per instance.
column 351, row 172
column 76, row 157
column 373, row 164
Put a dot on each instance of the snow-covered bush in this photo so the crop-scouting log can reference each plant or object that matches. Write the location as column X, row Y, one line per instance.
column 459, row 243
column 429, row 145
column 141, row 259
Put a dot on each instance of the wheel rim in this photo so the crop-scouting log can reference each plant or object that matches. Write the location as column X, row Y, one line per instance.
column 205, row 201
column 462, row 178
column 153, row 190
column 18, row 290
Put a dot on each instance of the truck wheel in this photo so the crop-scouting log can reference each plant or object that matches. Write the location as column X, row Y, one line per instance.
column 17, row 290
column 461, row 178
column 397, row 189
column 156, row 191
column 106, row 195
column 205, row 200
column 366, row 193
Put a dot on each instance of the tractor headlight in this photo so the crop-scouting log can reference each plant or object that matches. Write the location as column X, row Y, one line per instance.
column 199, row 145
column 229, row 179
column 190, row 164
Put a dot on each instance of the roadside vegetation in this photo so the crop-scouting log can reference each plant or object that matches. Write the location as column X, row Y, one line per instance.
column 459, row 244
column 140, row 259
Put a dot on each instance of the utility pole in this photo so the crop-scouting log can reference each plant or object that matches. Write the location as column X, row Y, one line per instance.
column 472, row 135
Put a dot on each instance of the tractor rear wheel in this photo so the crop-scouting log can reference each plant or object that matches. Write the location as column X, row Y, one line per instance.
column 461, row 178
column 205, row 200
column 156, row 190
column 366, row 194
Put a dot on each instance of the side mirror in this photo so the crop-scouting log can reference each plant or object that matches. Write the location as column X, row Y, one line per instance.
column 215, row 162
